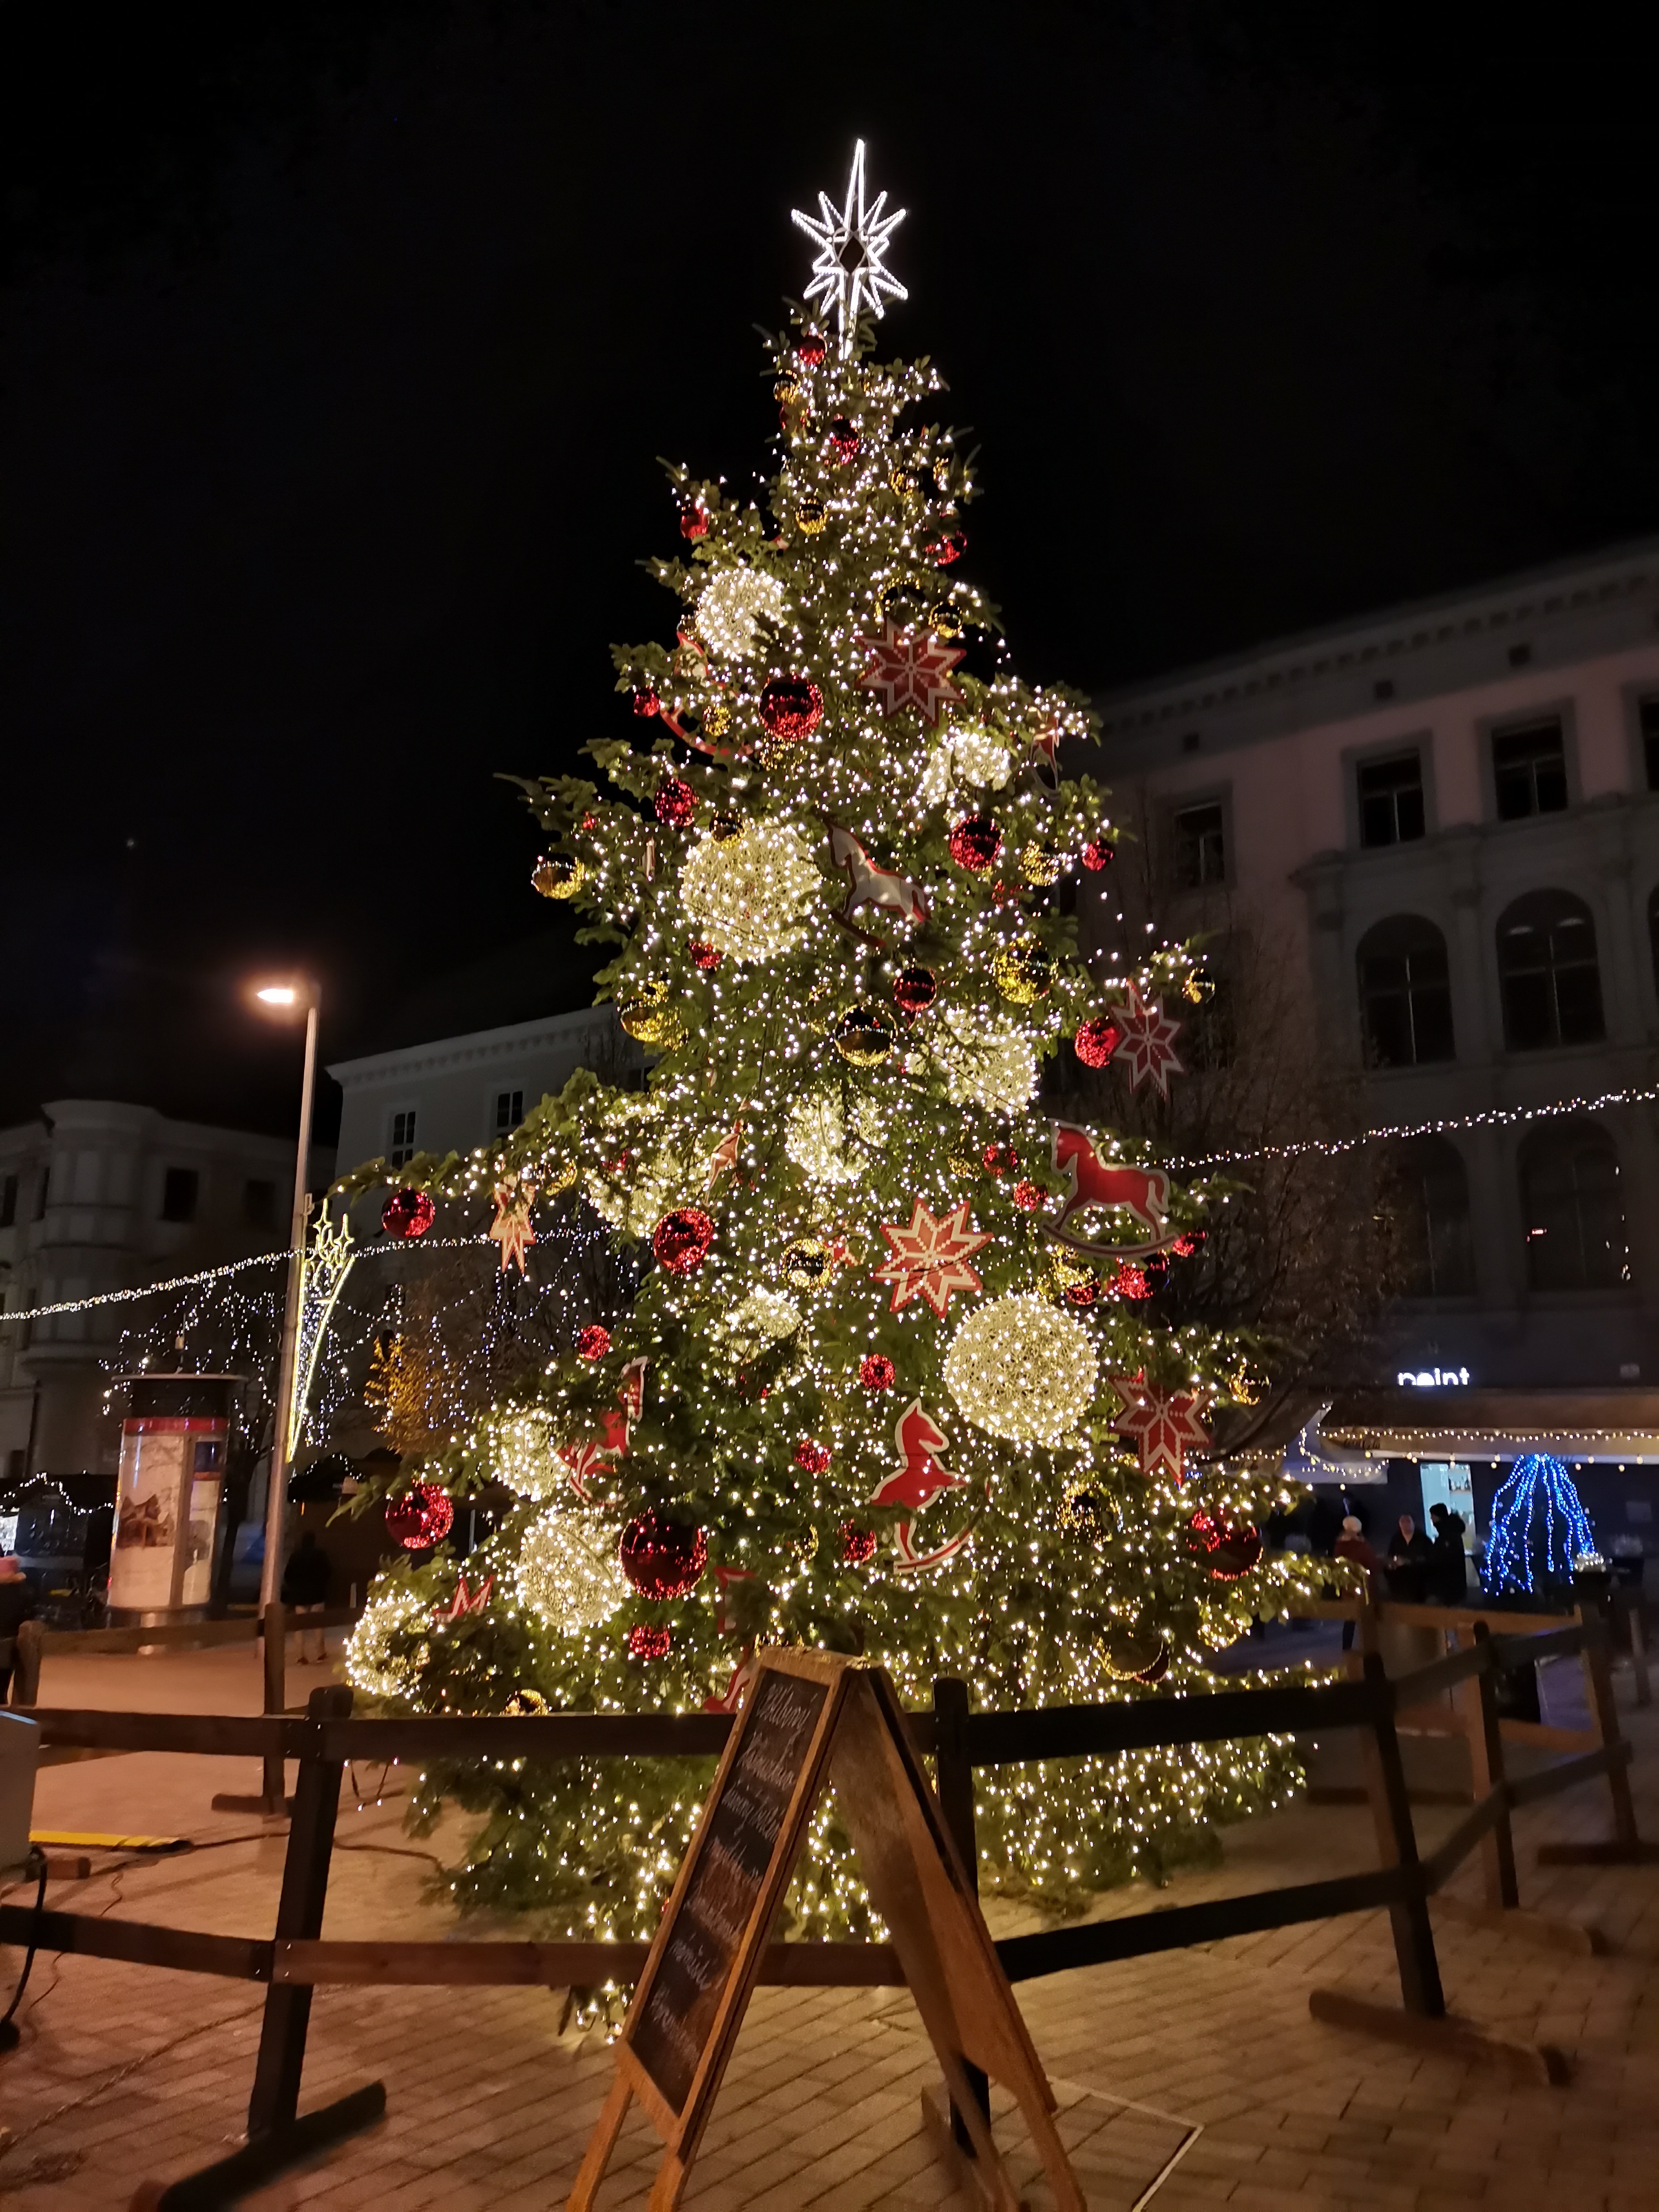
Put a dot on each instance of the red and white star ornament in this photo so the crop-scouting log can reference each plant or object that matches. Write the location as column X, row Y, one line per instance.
column 911, row 668
column 465, row 1601
column 1163, row 1423
column 930, row 1256
column 921, row 1476
column 511, row 1228
column 1146, row 1047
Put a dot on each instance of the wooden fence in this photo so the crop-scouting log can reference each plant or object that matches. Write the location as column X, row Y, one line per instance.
column 297, row 1958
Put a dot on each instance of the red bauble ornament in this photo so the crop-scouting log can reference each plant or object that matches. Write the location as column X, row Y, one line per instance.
column 810, row 351
column 662, row 1558
column 1096, row 1040
column 1184, row 1247
column 675, row 801
column 694, row 523
column 645, row 1641
column 1000, row 1160
column 791, row 708
column 1096, row 855
column 1228, row 1549
column 1130, row 1281
column 857, row 1545
column 812, row 1457
column 646, row 702
column 1028, row 1197
column 944, row 551
column 914, row 990
column 408, row 1214
column 844, row 440
column 423, row 1517
column 876, row 1371
column 974, row 843
column 682, row 1240
column 594, row 1341
column 1082, row 1294
column 706, row 957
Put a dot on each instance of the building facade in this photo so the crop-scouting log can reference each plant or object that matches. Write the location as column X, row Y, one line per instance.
column 1440, row 827
column 459, row 1092
column 99, row 1196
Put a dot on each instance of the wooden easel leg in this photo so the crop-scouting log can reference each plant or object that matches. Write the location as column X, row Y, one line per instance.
column 1068, row 2197
column 600, row 2144
column 668, row 2186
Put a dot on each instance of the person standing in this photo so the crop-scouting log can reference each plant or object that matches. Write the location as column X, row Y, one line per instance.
column 1352, row 1544
column 305, row 1587
column 1411, row 1556
column 1448, row 1574
column 16, row 1606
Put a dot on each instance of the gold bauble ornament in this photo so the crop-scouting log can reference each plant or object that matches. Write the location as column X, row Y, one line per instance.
column 863, row 1037
column 787, row 386
column 526, row 1705
column 811, row 516
column 1137, row 1653
column 557, row 1177
column 805, row 1547
column 716, row 719
column 806, row 1262
column 727, row 824
column 1067, row 1274
column 560, row 878
column 944, row 620
column 1084, row 1511
column 1024, row 969
column 687, row 661
column 1199, row 987
column 906, row 482
column 1040, row 861
column 647, row 1016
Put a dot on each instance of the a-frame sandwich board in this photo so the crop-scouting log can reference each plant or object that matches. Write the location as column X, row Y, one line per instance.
column 810, row 1718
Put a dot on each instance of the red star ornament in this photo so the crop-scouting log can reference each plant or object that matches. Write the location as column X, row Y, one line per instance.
column 1148, row 1045
column 511, row 1228
column 930, row 1258
column 463, row 1601
column 911, row 668
column 1163, row 1423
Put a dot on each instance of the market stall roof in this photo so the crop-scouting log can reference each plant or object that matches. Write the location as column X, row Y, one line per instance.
column 1621, row 1424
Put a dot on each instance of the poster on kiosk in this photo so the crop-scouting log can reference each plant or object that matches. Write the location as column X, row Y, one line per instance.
column 167, row 1499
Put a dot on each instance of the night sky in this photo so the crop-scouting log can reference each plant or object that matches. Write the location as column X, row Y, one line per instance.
column 336, row 344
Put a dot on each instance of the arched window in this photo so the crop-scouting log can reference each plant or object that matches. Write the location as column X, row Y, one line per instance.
column 1404, row 993
column 1547, row 971
column 1429, row 1194
column 1573, row 1217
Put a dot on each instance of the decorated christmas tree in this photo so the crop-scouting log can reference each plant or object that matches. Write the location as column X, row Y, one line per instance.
column 901, row 1378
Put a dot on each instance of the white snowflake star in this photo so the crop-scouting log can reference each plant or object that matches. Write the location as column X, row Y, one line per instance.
column 851, row 243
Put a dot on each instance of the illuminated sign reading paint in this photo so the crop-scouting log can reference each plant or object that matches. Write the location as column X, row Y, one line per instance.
column 1434, row 1378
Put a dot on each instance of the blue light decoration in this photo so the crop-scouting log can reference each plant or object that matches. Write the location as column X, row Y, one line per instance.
column 1539, row 1528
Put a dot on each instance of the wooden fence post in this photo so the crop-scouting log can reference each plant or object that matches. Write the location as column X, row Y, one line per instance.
column 1487, row 1760
column 1599, row 1673
column 274, row 2105
column 953, row 1774
column 1638, row 1646
column 275, row 1652
column 1396, row 1841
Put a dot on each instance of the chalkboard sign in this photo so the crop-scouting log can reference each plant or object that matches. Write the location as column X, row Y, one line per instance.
column 679, row 2003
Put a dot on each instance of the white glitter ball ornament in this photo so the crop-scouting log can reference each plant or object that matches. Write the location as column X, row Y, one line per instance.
column 371, row 1664
column 986, row 1060
column 734, row 600
column 826, row 1142
column 1019, row 1369
column 569, row 1574
column 745, row 895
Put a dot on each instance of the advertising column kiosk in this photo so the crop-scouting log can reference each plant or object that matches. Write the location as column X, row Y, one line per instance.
column 167, row 1498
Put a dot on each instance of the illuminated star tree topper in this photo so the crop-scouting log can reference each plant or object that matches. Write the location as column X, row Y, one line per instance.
column 852, row 242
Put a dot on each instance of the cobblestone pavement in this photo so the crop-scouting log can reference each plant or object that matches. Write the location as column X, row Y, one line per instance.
column 126, row 2074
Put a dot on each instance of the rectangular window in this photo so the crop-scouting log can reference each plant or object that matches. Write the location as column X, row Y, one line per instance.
column 1200, row 847
column 180, row 1188
column 509, row 1111
column 258, row 1203
column 1391, row 799
column 8, row 1202
column 1650, row 741
column 402, row 1146
column 1530, row 770
column 43, row 1190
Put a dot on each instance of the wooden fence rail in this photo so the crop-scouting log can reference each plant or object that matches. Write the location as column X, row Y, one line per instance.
column 297, row 1958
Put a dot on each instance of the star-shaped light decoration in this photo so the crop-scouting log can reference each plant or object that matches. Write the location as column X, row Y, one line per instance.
column 1163, row 1423
column 1147, row 1047
column 463, row 1601
column 930, row 1258
column 852, row 242
column 911, row 668
column 511, row 1228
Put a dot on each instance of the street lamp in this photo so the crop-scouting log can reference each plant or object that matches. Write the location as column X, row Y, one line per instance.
column 290, row 999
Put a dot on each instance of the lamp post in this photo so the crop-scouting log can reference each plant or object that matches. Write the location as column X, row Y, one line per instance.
column 285, row 998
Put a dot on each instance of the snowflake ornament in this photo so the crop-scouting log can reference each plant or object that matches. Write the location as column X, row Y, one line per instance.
column 1163, row 1423
column 930, row 1258
column 911, row 668
column 1148, row 1042
column 852, row 242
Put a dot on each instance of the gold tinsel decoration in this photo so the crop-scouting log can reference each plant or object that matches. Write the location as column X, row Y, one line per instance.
column 408, row 1381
